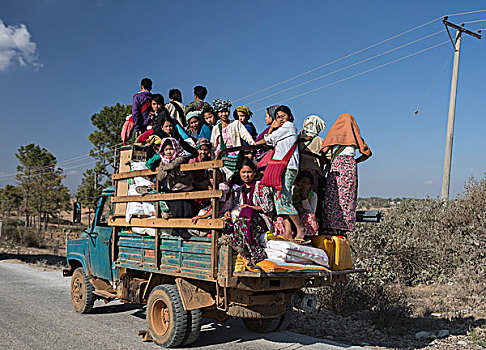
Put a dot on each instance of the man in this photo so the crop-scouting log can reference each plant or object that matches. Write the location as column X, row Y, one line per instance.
column 175, row 107
column 141, row 107
column 198, row 104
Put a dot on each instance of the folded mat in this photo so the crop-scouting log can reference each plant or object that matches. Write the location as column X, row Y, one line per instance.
column 272, row 265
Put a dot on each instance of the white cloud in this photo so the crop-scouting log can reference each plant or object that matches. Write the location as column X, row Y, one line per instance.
column 16, row 47
column 73, row 172
column 429, row 182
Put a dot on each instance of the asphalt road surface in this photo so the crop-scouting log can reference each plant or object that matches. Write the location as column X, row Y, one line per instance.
column 36, row 313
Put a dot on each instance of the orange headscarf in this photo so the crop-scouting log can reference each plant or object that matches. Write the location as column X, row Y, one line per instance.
column 345, row 132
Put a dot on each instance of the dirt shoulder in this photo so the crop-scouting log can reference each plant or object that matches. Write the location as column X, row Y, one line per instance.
column 42, row 258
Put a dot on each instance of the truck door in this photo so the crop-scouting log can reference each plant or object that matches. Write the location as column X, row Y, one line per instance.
column 100, row 240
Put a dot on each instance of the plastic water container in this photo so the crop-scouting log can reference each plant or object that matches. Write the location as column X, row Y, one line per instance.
column 342, row 254
column 337, row 249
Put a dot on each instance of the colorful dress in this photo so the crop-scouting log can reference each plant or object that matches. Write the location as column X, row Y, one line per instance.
column 246, row 228
column 341, row 194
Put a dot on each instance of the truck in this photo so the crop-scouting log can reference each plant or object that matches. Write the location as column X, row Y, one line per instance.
column 179, row 280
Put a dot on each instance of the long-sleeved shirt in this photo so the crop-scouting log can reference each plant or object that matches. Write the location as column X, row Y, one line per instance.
column 283, row 139
column 140, row 110
column 236, row 131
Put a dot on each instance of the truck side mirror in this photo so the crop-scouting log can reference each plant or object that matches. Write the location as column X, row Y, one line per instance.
column 76, row 213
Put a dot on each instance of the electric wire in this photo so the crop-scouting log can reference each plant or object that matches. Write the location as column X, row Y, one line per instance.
column 358, row 74
column 355, row 53
column 477, row 21
column 344, row 68
column 66, row 161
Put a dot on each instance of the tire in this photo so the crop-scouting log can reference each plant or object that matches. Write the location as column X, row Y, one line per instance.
column 81, row 292
column 194, row 324
column 166, row 317
column 262, row 325
column 284, row 319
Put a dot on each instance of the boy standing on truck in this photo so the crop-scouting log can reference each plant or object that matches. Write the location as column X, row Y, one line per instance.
column 175, row 107
column 198, row 104
column 141, row 107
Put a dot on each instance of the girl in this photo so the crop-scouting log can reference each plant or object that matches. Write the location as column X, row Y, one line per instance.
column 243, row 114
column 174, row 180
column 250, row 216
column 167, row 127
column 195, row 126
column 342, row 140
column 305, row 201
column 228, row 134
column 282, row 135
column 269, row 118
column 209, row 117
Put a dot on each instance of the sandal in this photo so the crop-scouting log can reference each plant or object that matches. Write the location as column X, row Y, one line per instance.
column 302, row 241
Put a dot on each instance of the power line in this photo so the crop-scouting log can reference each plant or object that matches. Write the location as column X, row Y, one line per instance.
column 477, row 21
column 344, row 68
column 354, row 53
column 358, row 74
column 66, row 161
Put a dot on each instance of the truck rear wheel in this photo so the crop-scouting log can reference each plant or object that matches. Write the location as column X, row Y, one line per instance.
column 166, row 317
column 262, row 325
column 81, row 292
column 194, row 323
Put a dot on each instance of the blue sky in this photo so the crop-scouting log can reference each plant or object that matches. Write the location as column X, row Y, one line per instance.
column 71, row 58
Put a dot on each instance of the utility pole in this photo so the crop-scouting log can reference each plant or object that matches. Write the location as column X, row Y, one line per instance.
column 446, row 177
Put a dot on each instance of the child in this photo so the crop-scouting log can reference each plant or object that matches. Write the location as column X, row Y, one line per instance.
column 305, row 201
column 209, row 117
column 243, row 114
column 141, row 107
column 173, row 180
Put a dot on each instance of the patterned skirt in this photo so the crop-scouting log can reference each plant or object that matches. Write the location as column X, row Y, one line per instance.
column 341, row 194
column 245, row 235
column 283, row 200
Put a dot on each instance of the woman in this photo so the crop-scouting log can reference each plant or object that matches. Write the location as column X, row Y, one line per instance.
column 251, row 215
column 342, row 140
column 282, row 135
column 166, row 127
column 228, row 134
column 269, row 118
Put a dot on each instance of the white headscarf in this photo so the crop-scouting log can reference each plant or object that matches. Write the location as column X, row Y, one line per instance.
column 313, row 124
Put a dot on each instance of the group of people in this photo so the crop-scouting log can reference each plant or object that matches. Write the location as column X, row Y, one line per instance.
column 318, row 186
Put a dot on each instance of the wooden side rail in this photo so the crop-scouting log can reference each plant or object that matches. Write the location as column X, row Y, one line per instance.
column 168, row 196
column 183, row 167
column 212, row 224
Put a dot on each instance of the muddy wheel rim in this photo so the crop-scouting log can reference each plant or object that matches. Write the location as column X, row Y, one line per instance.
column 77, row 291
column 160, row 317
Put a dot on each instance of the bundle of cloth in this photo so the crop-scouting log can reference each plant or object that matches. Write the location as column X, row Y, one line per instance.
column 289, row 252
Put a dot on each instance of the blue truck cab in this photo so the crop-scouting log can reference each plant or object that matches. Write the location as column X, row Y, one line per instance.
column 179, row 280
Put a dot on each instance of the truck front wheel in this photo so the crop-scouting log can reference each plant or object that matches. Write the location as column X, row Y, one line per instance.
column 166, row 317
column 81, row 292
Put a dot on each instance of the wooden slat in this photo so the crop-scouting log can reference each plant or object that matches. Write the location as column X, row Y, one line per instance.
column 129, row 174
column 168, row 223
column 183, row 167
column 202, row 165
column 168, row 196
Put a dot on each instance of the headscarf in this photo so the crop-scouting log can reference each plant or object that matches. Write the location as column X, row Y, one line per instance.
column 202, row 142
column 219, row 105
column 245, row 110
column 271, row 111
column 313, row 124
column 345, row 132
column 179, row 152
column 193, row 114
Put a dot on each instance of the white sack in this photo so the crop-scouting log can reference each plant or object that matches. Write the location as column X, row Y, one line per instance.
column 316, row 255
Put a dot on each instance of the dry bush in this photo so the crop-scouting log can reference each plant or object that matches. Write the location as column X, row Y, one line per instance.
column 14, row 232
column 418, row 242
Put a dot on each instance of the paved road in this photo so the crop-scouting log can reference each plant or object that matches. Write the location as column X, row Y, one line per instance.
column 36, row 313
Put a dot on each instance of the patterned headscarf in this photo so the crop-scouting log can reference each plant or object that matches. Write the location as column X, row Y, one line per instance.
column 245, row 110
column 202, row 142
column 219, row 105
column 313, row 124
column 271, row 111
column 179, row 152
